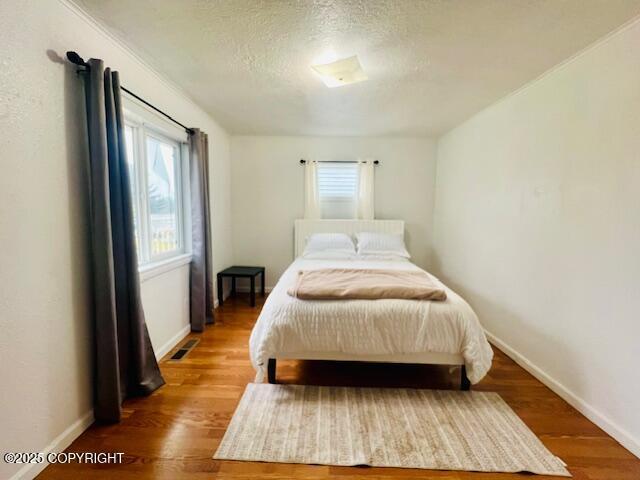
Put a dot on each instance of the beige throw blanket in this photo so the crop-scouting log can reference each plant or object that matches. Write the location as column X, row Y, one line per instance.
column 366, row 284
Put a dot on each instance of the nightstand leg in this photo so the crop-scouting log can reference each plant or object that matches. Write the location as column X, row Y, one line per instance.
column 220, row 292
column 253, row 291
column 262, row 283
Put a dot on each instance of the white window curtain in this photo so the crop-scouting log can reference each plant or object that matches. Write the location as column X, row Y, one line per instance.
column 311, row 193
column 365, row 203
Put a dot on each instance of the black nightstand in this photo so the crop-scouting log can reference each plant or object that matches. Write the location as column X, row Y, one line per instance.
column 241, row 272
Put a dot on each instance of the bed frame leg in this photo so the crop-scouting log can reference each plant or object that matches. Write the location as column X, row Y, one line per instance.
column 271, row 370
column 465, row 384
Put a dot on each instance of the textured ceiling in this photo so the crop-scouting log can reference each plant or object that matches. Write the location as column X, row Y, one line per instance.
column 431, row 63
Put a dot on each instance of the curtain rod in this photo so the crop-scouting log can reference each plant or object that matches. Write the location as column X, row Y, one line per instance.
column 303, row 161
column 78, row 60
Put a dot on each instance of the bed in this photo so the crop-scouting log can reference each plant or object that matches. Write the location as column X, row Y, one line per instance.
column 385, row 330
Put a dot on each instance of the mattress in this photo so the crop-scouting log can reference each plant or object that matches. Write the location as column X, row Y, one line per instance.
column 366, row 327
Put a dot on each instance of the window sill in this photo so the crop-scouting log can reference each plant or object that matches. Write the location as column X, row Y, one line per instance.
column 151, row 270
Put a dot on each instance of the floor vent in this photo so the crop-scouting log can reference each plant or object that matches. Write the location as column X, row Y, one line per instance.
column 184, row 349
column 189, row 344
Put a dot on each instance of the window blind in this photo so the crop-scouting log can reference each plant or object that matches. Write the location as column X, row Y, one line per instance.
column 337, row 189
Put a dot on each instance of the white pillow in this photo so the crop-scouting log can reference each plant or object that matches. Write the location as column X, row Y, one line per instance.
column 381, row 244
column 331, row 255
column 387, row 257
column 329, row 243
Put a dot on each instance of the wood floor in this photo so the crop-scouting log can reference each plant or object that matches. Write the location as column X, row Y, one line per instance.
column 173, row 433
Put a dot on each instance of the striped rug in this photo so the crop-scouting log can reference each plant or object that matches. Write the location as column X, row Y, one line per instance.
column 384, row 427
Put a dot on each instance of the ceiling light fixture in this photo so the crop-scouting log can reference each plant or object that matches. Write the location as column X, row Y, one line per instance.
column 341, row 72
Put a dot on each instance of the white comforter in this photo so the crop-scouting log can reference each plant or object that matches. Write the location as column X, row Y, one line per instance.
column 373, row 327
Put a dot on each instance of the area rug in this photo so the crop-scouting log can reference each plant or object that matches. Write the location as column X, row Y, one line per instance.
column 384, row 427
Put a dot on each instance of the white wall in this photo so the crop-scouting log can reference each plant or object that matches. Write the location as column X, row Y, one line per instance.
column 165, row 299
column 45, row 312
column 267, row 191
column 537, row 225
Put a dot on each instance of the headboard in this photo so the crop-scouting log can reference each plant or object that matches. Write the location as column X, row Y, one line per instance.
column 304, row 228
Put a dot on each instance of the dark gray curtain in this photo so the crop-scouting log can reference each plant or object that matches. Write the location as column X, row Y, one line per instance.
column 125, row 365
column 201, row 281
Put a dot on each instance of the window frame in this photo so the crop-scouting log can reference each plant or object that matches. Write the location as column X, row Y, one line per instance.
column 177, row 171
column 145, row 123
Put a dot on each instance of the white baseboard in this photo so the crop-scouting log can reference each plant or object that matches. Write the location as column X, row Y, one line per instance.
column 65, row 439
column 172, row 342
column 605, row 423
column 59, row 444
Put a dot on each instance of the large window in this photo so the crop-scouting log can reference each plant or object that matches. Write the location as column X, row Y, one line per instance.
column 338, row 189
column 156, row 167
